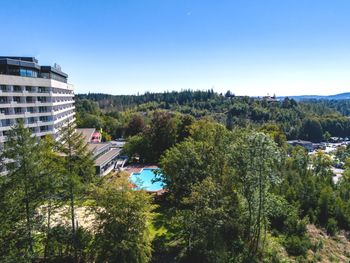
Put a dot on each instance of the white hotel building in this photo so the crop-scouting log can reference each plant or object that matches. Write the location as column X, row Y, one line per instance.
column 39, row 95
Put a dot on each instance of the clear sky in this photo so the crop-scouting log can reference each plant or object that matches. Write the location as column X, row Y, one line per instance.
column 251, row 47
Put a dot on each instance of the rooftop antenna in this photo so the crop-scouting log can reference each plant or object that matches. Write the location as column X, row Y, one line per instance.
column 57, row 66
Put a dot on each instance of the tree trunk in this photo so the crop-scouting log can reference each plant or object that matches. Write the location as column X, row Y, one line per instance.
column 48, row 232
column 259, row 212
column 71, row 189
column 29, row 226
column 74, row 239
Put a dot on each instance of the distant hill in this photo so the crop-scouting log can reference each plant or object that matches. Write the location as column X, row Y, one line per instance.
column 341, row 96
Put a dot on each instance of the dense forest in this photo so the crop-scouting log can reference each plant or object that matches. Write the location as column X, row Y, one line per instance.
column 235, row 190
column 313, row 120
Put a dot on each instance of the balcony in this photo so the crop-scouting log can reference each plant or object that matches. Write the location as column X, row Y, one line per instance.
column 62, row 102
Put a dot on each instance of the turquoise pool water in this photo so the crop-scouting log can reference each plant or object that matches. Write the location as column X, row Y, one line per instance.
column 144, row 180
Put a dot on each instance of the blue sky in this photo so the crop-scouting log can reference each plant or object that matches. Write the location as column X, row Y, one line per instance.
column 251, row 47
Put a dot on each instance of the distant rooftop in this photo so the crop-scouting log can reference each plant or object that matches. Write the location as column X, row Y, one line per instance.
column 299, row 142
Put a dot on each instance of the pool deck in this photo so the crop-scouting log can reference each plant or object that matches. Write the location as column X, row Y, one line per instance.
column 136, row 168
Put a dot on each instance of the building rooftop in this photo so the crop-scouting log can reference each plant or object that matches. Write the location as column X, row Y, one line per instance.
column 29, row 67
column 87, row 133
column 118, row 143
column 105, row 158
column 105, row 153
column 95, row 148
column 299, row 141
column 29, row 59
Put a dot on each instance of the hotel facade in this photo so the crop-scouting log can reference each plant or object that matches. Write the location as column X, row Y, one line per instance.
column 38, row 95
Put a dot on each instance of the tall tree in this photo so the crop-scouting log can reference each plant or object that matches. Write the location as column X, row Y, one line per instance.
column 78, row 170
column 52, row 179
column 256, row 158
column 21, row 190
column 311, row 130
column 135, row 125
column 202, row 155
column 162, row 133
column 210, row 223
column 123, row 217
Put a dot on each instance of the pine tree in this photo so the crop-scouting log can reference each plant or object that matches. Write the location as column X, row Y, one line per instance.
column 78, row 170
column 52, row 176
column 20, row 188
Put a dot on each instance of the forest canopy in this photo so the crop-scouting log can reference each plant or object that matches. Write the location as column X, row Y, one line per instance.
column 313, row 120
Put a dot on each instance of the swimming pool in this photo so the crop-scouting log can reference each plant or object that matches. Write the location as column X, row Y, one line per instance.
column 143, row 180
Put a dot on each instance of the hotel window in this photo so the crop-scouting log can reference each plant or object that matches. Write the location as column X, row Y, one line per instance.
column 17, row 89
column 28, row 73
column 44, row 118
column 43, row 90
column 42, row 99
column 29, row 88
column 30, row 109
column 4, row 88
column 5, row 123
column 42, row 109
column 3, row 69
column 31, row 120
column 4, row 111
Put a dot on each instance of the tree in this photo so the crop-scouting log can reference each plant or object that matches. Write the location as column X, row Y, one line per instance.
column 311, row 130
column 52, row 179
column 211, row 167
column 275, row 132
column 184, row 127
column 300, row 159
column 135, row 126
column 257, row 159
column 138, row 146
column 326, row 204
column 123, row 217
column 78, row 170
column 201, row 155
column 20, row 189
column 162, row 133
column 229, row 94
column 88, row 106
column 237, row 115
column 184, row 165
column 322, row 165
column 210, row 223
column 327, row 136
column 159, row 136
column 90, row 121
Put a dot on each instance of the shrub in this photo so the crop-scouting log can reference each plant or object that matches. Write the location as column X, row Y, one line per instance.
column 296, row 246
column 332, row 227
column 317, row 246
